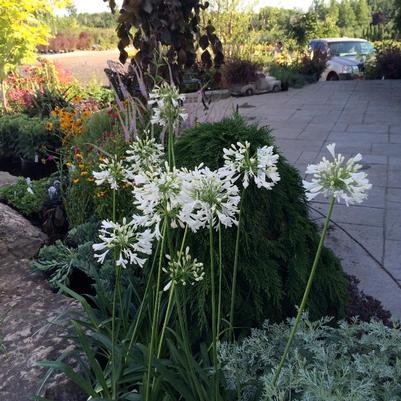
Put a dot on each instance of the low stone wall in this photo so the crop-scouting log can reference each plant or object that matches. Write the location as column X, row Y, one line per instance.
column 29, row 310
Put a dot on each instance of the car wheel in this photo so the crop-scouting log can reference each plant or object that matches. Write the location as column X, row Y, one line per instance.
column 333, row 77
column 276, row 88
column 249, row 92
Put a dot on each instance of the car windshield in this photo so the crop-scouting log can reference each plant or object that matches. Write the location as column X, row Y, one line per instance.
column 350, row 48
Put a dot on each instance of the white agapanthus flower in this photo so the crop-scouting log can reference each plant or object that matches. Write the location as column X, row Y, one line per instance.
column 157, row 197
column 206, row 197
column 166, row 102
column 29, row 185
column 260, row 167
column 112, row 172
column 126, row 240
column 144, row 155
column 339, row 178
column 183, row 270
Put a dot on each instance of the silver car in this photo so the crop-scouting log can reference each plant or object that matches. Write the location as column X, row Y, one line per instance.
column 263, row 84
column 346, row 57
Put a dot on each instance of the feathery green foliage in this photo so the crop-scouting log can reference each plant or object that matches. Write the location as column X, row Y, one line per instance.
column 355, row 361
column 278, row 241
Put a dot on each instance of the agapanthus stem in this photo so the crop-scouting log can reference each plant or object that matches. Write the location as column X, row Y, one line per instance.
column 113, row 318
column 156, row 308
column 170, row 146
column 235, row 269
column 166, row 319
column 306, row 293
column 180, row 306
column 113, row 334
column 220, row 285
column 213, row 285
column 140, row 310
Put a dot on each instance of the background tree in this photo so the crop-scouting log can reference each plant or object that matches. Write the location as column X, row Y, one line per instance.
column 397, row 15
column 22, row 28
column 346, row 18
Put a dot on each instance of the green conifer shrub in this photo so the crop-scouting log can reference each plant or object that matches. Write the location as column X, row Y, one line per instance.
column 278, row 241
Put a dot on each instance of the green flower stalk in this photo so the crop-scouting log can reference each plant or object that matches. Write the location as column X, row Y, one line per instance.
column 338, row 180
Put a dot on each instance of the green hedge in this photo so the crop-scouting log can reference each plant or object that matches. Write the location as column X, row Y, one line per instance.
column 279, row 240
column 21, row 135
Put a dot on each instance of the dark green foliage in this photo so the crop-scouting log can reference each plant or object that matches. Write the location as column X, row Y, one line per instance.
column 287, row 75
column 25, row 136
column 25, row 196
column 355, row 361
column 278, row 241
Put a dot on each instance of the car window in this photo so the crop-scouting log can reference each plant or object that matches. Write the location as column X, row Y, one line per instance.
column 350, row 48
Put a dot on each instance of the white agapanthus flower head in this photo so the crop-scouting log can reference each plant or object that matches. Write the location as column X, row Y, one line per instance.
column 208, row 198
column 156, row 196
column 127, row 242
column 183, row 270
column 144, row 155
column 339, row 178
column 166, row 102
column 260, row 167
column 112, row 172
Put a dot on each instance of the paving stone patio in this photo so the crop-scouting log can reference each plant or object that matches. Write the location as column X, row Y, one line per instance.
column 360, row 116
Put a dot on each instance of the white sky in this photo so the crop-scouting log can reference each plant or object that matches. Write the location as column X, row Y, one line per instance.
column 92, row 6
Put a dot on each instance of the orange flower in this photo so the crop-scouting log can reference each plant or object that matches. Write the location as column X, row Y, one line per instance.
column 49, row 125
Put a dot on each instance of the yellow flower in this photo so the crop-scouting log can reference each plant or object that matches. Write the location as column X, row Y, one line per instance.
column 84, row 173
column 68, row 164
column 49, row 125
column 78, row 156
column 75, row 181
column 90, row 179
column 100, row 194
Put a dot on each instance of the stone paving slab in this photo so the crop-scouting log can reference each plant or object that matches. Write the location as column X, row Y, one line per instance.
column 361, row 117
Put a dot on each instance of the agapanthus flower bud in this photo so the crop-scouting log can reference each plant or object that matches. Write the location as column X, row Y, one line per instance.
column 183, row 270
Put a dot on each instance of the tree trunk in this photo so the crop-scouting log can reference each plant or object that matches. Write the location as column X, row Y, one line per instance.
column 3, row 95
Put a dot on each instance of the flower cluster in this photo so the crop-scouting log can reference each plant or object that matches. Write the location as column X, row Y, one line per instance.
column 145, row 155
column 166, row 102
column 112, row 172
column 208, row 198
column 79, row 168
column 126, row 241
column 339, row 178
column 156, row 197
column 260, row 167
column 183, row 270
column 69, row 122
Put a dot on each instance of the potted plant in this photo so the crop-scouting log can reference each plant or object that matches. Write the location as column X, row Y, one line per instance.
column 237, row 73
